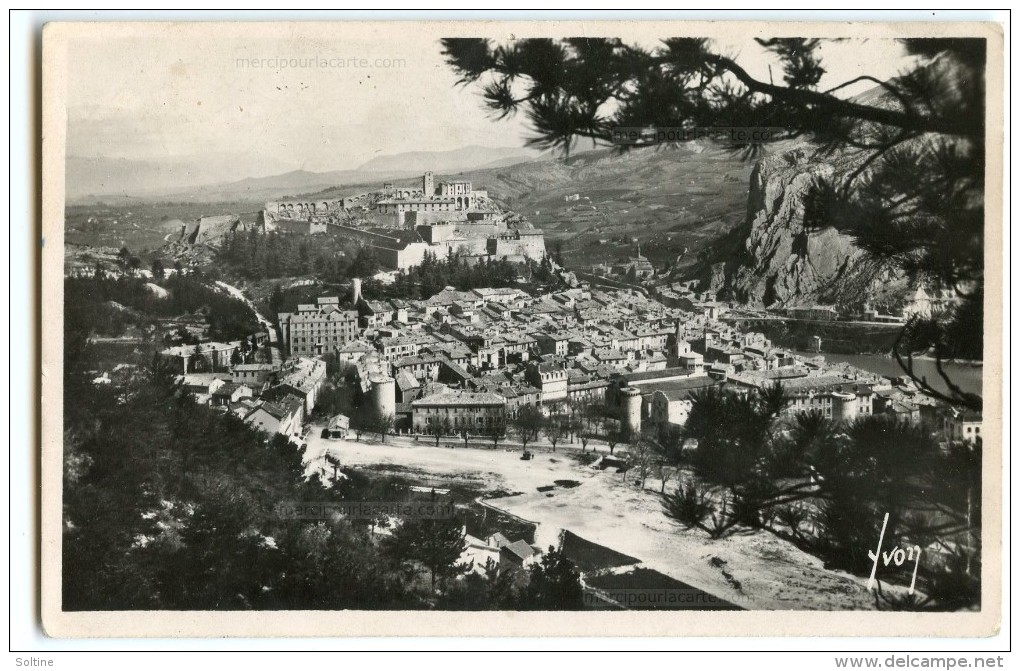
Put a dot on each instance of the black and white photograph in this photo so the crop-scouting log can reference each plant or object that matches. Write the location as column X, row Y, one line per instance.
column 488, row 328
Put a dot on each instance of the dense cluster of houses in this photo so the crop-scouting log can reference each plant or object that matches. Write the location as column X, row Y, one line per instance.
column 469, row 360
column 478, row 356
column 275, row 398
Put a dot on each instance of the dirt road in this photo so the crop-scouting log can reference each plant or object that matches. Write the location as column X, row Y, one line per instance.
column 275, row 353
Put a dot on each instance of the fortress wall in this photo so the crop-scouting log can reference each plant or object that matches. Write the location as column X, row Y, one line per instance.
column 533, row 246
column 367, row 237
column 530, row 246
column 416, row 218
column 471, row 246
column 294, row 208
column 414, row 254
column 478, row 230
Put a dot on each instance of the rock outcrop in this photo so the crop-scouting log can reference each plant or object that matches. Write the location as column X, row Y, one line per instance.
column 782, row 263
column 212, row 230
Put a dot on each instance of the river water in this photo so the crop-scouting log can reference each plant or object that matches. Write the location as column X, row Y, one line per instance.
column 967, row 377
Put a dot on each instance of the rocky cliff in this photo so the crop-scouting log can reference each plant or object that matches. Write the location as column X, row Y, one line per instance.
column 780, row 263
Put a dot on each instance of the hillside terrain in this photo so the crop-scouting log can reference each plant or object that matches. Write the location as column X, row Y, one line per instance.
column 780, row 263
column 696, row 210
column 676, row 202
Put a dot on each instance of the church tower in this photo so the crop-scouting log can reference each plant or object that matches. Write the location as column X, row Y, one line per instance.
column 676, row 346
column 428, row 184
column 680, row 344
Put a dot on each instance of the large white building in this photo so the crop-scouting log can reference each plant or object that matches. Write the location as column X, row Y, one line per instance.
column 455, row 410
column 962, row 426
column 318, row 329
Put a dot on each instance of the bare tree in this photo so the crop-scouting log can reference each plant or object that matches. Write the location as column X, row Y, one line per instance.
column 643, row 453
column 666, row 472
column 497, row 432
column 527, row 424
column 383, row 425
column 614, row 434
column 441, row 428
column 585, row 438
column 555, row 429
column 359, row 423
column 575, row 426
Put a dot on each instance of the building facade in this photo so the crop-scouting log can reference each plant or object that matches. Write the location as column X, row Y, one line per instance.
column 456, row 410
column 670, row 407
column 962, row 426
column 318, row 329
column 551, row 380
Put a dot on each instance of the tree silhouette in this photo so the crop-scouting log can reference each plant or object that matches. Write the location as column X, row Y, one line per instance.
column 334, row 464
column 441, row 427
column 383, row 424
column 575, row 425
column 527, row 424
column 695, row 507
column 361, row 421
column 497, row 432
column 615, row 434
column 759, row 468
column 553, row 584
column 435, row 542
column 173, row 505
column 585, row 87
column 555, row 429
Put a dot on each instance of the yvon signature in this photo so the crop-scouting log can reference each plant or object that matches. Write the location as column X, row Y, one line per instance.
column 897, row 556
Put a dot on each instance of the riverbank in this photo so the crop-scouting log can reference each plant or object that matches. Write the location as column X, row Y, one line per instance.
column 968, row 376
column 837, row 336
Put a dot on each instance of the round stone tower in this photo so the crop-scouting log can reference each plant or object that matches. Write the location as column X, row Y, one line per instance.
column 630, row 409
column 844, row 406
column 355, row 290
column 384, row 398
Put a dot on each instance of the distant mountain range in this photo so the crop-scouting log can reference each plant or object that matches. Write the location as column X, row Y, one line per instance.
column 456, row 160
column 695, row 210
column 121, row 180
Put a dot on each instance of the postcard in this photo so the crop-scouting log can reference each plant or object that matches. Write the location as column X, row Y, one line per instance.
column 634, row 328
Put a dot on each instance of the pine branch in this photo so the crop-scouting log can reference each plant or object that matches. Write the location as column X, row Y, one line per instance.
column 845, row 108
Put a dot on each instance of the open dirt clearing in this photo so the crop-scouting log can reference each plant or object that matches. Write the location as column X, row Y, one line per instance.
column 755, row 570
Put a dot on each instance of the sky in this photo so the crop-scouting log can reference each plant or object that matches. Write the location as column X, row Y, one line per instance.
column 198, row 99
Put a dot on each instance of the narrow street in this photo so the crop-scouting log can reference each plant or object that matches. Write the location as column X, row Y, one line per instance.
column 275, row 352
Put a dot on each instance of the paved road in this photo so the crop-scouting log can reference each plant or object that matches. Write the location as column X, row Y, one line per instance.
column 275, row 353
